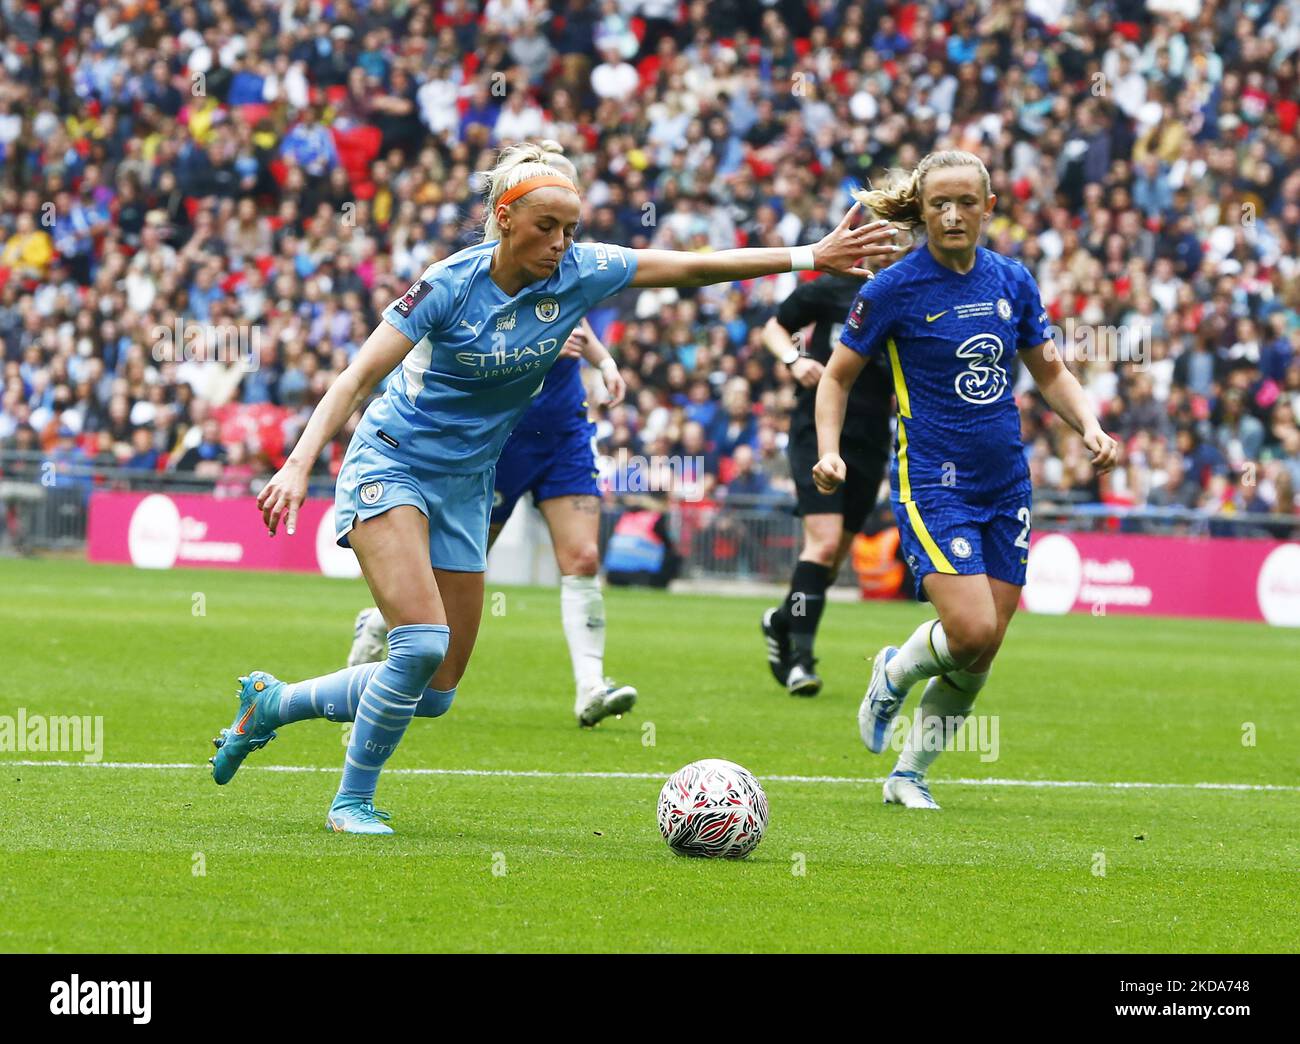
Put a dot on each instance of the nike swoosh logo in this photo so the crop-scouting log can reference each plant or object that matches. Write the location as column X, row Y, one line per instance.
column 1024, row 561
column 239, row 725
column 931, row 318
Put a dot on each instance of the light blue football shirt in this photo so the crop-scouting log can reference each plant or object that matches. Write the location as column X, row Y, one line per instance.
column 480, row 355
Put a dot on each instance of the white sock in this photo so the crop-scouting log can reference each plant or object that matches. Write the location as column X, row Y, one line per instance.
column 582, row 608
column 923, row 655
column 947, row 701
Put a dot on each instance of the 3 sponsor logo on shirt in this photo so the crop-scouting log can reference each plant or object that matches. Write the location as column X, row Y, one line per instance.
column 983, row 380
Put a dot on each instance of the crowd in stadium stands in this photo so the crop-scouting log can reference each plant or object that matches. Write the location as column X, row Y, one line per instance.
column 205, row 206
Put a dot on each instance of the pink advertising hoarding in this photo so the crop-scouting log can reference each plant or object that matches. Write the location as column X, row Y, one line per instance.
column 165, row 531
column 1068, row 572
column 1164, row 576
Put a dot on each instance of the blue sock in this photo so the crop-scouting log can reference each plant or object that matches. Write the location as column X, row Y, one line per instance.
column 388, row 703
column 335, row 696
column 434, row 703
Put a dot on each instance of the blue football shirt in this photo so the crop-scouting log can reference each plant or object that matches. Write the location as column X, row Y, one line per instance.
column 479, row 354
column 950, row 340
column 561, row 405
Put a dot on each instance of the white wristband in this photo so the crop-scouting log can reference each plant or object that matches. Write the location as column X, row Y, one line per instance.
column 792, row 357
column 801, row 259
column 608, row 361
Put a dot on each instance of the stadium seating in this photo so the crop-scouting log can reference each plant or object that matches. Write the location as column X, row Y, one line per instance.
column 1146, row 161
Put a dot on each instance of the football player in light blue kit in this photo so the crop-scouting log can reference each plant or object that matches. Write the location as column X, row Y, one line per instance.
column 475, row 336
column 950, row 318
column 551, row 454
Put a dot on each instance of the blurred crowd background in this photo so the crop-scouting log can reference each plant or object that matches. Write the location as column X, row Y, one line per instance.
column 190, row 187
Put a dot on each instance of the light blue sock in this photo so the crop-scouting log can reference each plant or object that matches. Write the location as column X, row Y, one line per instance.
column 388, row 703
column 434, row 703
column 335, row 696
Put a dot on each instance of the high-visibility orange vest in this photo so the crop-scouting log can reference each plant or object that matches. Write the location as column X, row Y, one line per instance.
column 880, row 574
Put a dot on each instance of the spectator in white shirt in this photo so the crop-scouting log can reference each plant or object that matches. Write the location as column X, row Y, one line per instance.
column 614, row 78
column 519, row 120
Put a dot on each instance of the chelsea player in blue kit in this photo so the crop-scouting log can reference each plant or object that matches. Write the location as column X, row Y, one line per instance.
column 475, row 337
column 552, row 455
column 950, row 319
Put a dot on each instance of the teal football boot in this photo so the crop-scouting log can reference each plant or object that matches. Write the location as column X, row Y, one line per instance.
column 251, row 729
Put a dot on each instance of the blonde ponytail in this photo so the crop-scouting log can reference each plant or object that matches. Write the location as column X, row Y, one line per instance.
column 899, row 196
column 517, row 163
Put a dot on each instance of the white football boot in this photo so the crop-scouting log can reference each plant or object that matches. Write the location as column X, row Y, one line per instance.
column 602, row 699
column 369, row 635
column 909, row 790
column 881, row 704
column 803, row 681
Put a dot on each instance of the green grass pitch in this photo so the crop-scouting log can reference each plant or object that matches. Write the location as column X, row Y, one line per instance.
column 159, row 859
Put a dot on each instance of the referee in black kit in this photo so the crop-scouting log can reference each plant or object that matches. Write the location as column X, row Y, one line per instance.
column 830, row 521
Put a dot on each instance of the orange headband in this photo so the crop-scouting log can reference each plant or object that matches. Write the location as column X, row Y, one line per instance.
column 528, row 184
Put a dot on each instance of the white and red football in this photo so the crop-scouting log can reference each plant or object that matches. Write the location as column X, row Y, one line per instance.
column 712, row 808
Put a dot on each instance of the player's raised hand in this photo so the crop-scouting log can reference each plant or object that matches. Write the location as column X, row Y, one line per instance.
column 840, row 250
column 1104, row 450
column 281, row 498
column 829, row 473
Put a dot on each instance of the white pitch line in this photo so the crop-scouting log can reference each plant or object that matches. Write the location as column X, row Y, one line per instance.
column 538, row 774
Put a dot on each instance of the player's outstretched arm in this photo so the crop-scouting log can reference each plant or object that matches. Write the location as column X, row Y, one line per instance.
column 839, row 251
column 284, row 494
column 832, row 401
column 1063, row 394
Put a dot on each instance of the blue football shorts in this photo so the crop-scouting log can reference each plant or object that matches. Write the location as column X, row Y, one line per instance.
column 562, row 464
column 943, row 534
column 457, row 506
